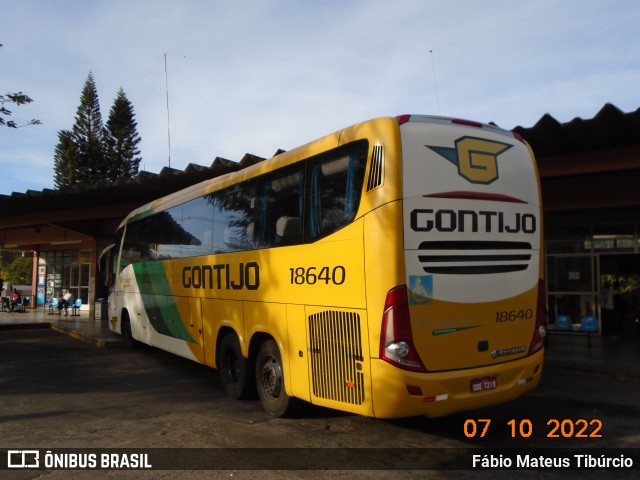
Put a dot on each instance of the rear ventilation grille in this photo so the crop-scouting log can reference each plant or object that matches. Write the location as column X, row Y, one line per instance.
column 474, row 258
column 336, row 356
column 377, row 168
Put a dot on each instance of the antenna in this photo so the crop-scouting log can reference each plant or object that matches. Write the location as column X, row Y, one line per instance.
column 435, row 83
column 166, row 84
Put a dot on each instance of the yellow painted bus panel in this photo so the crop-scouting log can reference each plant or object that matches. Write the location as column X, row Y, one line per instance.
column 269, row 318
column 339, row 366
column 449, row 392
column 298, row 352
column 450, row 335
column 218, row 314
column 331, row 276
column 380, row 231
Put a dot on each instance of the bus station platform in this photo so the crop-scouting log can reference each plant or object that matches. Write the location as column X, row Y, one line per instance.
column 607, row 357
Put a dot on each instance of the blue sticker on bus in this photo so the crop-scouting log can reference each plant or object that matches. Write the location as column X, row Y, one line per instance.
column 420, row 289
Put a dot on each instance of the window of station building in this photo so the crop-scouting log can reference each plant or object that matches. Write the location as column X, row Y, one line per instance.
column 63, row 271
column 570, row 273
column 612, row 242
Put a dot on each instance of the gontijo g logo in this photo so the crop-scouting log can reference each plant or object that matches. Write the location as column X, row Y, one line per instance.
column 476, row 158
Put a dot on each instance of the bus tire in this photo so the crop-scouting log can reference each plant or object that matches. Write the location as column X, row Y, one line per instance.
column 125, row 330
column 235, row 370
column 270, row 381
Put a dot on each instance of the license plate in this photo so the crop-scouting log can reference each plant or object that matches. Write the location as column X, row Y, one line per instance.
column 483, row 384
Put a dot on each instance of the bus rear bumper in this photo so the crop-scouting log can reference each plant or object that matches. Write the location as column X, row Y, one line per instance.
column 398, row 393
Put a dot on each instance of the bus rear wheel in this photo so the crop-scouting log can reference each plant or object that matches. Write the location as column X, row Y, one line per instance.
column 125, row 330
column 235, row 371
column 270, row 381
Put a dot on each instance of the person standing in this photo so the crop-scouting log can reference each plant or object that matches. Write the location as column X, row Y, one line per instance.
column 608, row 306
column 6, row 295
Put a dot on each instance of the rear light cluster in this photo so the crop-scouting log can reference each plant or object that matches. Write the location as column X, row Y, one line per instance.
column 540, row 331
column 468, row 123
column 396, row 339
column 402, row 119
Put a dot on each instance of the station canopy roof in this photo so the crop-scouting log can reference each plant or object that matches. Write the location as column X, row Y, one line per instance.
column 582, row 164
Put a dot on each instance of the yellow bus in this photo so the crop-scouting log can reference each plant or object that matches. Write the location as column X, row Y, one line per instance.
column 390, row 269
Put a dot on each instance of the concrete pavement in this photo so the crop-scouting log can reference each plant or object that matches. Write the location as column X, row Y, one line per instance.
column 81, row 327
column 609, row 357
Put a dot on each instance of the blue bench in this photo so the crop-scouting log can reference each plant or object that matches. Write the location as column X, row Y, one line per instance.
column 563, row 323
column 589, row 325
column 75, row 308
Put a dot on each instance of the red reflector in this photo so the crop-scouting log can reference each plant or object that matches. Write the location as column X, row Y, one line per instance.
column 468, row 123
column 402, row 119
column 518, row 136
column 412, row 390
column 494, row 197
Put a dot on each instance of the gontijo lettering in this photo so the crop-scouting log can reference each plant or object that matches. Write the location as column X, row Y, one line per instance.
column 446, row 220
column 222, row 276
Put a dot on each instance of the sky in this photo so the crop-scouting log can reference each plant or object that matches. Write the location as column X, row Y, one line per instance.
column 254, row 76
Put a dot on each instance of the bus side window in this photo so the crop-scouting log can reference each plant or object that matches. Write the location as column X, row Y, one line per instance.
column 234, row 218
column 280, row 207
column 138, row 243
column 334, row 193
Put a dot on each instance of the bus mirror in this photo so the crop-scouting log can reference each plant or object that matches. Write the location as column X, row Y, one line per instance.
column 106, row 252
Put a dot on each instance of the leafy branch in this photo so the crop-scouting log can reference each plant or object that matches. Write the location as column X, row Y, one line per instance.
column 16, row 99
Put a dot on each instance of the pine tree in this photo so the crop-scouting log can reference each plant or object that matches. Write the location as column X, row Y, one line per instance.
column 121, row 140
column 88, row 135
column 65, row 165
column 89, row 152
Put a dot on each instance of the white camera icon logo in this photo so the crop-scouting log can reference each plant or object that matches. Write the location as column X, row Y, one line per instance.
column 23, row 459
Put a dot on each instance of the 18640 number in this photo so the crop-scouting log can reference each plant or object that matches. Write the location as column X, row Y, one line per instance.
column 312, row 275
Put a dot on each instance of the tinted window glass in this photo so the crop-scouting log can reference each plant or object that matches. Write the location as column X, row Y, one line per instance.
column 233, row 218
column 280, row 207
column 269, row 211
column 335, row 187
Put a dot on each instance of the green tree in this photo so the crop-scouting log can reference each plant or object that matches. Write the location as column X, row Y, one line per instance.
column 20, row 272
column 121, row 140
column 90, row 152
column 65, row 165
column 18, row 98
column 79, row 156
column 88, row 136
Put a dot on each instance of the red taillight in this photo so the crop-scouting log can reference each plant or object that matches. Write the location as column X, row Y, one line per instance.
column 491, row 197
column 402, row 119
column 396, row 339
column 468, row 123
column 518, row 136
column 541, row 322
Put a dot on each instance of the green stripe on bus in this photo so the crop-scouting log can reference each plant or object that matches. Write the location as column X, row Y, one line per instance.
column 158, row 300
